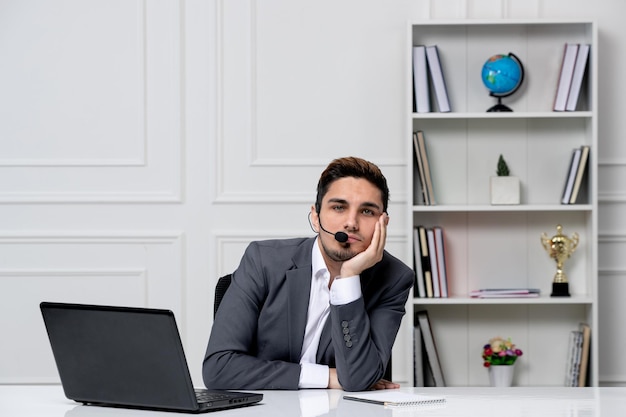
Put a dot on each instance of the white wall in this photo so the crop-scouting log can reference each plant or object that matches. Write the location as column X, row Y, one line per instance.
column 144, row 143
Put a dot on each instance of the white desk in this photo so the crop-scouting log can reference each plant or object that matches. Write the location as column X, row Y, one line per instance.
column 49, row 401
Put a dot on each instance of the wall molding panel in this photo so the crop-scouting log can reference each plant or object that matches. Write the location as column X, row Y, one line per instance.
column 109, row 120
column 261, row 148
column 126, row 268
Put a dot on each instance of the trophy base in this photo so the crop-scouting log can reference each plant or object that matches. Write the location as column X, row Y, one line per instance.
column 560, row 289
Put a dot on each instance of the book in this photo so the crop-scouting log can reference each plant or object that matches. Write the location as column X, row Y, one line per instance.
column 428, row 281
column 434, row 266
column 421, row 142
column 573, row 349
column 565, row 77
column 418, row 358
column 437, row 78
column 420, row 170
column 431, row 348
column 585, row 331
column 580, row 172
column 395, row 398
column 420, row 80
column 419, row 287
column 441, row 260
column 577, row 77
column 571, row 176
column 505, row 293
column 578, row 342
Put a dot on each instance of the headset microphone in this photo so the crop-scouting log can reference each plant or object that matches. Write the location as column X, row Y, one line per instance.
column 340, row 237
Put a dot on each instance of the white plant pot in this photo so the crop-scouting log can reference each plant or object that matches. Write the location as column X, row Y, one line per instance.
column 505, row 190
column 501, row 375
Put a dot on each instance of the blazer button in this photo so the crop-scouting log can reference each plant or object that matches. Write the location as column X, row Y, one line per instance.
column 346, row 330
column 349, row 343
column 344, row 324
column 347, row 338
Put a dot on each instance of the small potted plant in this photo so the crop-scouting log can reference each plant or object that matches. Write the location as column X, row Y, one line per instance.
column 505, row 189
column 499, row 356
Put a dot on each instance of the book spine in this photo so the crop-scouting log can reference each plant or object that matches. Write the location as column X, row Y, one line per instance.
column 571, row 176
column 441, row 260
column 439, row 83
column 418, row 358
column 421, row 141
column 420, row 288
column 565, row 78
column 420, row 80
column 420, row 169
column 577, row 77
column 426, row 262
column 431, row 348
column 434, row 265
column 580, row 172
column 585, row 331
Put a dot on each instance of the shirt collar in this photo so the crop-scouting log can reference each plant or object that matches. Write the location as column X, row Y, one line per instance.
column 317, row 261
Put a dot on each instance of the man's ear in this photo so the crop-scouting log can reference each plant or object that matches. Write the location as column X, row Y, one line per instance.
column 315, row 219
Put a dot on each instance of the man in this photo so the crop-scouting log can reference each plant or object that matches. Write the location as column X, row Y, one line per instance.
column 319, row 312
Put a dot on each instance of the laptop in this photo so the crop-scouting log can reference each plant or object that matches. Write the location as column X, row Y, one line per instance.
column 128, row 357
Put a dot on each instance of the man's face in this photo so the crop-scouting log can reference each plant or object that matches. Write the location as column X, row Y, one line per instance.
column 353, row 206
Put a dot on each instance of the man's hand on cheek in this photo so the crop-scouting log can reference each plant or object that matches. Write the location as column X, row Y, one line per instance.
column 372, row 255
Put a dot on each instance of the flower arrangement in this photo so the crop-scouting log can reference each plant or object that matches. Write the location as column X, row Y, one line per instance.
column 500, row 352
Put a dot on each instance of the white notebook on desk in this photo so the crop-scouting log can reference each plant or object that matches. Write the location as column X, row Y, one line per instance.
column 396, row 398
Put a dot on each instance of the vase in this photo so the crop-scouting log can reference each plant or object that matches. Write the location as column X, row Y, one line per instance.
column 504, row 190
column 501, row 375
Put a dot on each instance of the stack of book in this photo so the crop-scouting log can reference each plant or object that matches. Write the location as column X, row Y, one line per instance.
column 505, row 293
column 575, row 174
column 573, row 69
column 427, row 74
column 423, row 169
column 431, row 278
column 427, row 369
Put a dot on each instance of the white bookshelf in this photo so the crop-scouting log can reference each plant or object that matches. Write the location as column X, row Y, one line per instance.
column 500, row 246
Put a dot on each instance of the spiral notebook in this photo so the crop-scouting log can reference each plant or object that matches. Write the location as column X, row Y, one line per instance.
column 396, row 398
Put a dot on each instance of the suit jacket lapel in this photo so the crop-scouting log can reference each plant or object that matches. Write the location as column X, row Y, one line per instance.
column 299, row 288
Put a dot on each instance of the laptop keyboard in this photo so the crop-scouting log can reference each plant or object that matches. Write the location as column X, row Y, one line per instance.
column 205, row 396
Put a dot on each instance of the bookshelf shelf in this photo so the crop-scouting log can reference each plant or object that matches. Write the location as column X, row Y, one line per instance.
column 544, row 299
column 499, row 246
column 511, row 208
column 513, row 115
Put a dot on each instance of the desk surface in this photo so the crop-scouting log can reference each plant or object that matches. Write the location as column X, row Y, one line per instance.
column 49, row 401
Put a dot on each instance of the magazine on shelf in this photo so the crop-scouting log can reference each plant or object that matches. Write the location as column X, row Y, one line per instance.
column 505, row 293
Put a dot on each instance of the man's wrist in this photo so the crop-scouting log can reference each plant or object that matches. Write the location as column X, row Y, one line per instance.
column 313, row 375
column 345, row 290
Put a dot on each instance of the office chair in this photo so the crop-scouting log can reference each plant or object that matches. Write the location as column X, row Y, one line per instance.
column 222, row 285
column 220, row 289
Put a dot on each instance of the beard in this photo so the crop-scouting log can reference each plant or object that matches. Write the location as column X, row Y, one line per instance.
column 339, row 255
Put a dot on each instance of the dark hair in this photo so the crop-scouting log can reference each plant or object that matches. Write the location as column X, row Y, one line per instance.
column 351, row 167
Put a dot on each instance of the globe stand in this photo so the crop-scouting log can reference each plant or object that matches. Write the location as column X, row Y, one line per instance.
column 498, row 107
column 501, row 94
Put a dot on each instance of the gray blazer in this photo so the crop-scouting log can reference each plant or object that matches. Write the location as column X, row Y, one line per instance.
column 257, row 335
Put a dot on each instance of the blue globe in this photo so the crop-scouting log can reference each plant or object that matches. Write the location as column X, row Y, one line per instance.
column 502, row 74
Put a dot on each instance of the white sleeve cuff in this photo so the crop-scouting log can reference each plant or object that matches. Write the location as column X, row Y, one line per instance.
column 345, row 290
column 313, row 375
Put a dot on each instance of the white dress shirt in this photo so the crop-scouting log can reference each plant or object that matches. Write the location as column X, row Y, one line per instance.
column 342, row 291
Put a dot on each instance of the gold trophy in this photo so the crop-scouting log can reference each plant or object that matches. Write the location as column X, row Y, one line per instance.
column 560, row 247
